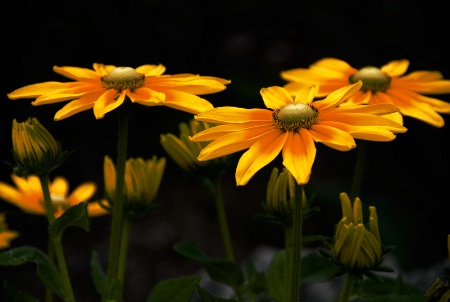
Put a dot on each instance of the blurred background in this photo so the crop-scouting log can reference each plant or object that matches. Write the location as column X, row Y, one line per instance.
column 250, row 43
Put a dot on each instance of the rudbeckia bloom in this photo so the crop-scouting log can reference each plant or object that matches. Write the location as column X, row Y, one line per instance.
column 106, row 87
column 291, row 126
column 5, row 234
column 28, row 195
column 355, row 246
column 142, row 181
column 385, row 85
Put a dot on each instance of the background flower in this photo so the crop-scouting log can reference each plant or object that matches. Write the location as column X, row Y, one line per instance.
column 385, row 85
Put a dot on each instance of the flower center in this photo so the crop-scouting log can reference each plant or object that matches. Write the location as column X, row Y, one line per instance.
column 373, row 79
column 294, row 116
column 122, row 78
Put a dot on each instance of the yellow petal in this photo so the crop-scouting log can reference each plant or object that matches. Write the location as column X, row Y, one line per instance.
column 234, row 115
column 82, row 193
column 94, row 209
column 298, row 155
column 263, row 151
column 186, row 102
column 371, row 133
column 395, row 68
column 218, row 131
column 147, row 97
column 332, row 137
column 59, row 186
column 107, row 102
column 275, row 97
column 35, row 90
column 77, row 73
column 10, row 194
column 233, row 142
column 338, row 96
column 188, row 83
column 151, row 70
column 307, row 94
column 76, row 106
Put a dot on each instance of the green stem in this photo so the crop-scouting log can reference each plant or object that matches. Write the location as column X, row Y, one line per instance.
column 56, row 242
column 51, row 257
column 294, row 247
column 124, row 248
column 117, row 211
column 217, row 191
column 357, row 176
column 347, row 288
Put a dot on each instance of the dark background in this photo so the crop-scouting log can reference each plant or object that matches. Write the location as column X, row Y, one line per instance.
column 249, row 42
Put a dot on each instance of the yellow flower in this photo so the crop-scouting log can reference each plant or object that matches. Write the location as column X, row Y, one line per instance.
column 142, row 181
column 34, row 148
column 385, row 85
column 106, row 87
column 28, row 195
column 291, row 126
column 184, row 152
column 5, row 234
column 355, row 246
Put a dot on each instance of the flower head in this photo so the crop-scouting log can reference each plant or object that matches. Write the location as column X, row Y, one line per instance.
column 27, row 195
column 291, row 126
column 106, row 87
column 184, row 152
column 34, row 148
column 5, row 234
column 385, row 85
column 356, row 247
column 142, row 181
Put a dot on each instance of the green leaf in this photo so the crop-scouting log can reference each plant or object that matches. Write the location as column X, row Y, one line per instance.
column 207, row 297
column 315, row 268
column 113, row 291
column 76, row 215
column 46, row 270
column 370, row 288
column 97, row 274
column 177, row 289
column 275, row 276
column 257, row 282
column 222, row 271
column 13, row 294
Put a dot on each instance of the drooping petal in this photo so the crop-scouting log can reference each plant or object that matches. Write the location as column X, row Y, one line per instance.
column 234, row 115
column 76, row 106
column 77, row 73
column 186, row 102
column 275, row 97
column 108, row 101
column 263, row 151
column 395, row 68
column 299, row 153
column 233, row 142
column 147, row 97
column 82, row 193
column 218, row 131
column 332, row 137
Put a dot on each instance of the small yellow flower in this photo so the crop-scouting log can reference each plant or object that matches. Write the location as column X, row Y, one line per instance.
column 106, row 87
column 28, row 195
column 356, row 247
column 142, row 181
column 184, row 152
column 5, row 234
column 34, row 148
column 385, row 85
column 292, row 126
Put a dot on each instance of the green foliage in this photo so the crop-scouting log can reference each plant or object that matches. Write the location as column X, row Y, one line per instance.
column 275, row 276
column 13, row 294
column 208, row 297
column 177, row 289
column 219, row 270
column 74, row 216
column 97, row 274
column 46, row 271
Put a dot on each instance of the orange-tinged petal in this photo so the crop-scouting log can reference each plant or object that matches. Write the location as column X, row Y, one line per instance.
column 332, row 137
column 395, row 68
column 421, row 76
column 186, row 102
column 77, row 73
column 188, row 83
column 337, row 97
column 233, row 142
column 59, row 186
column 360, row 97
column 377, row 109
column 151, row 70
column 372, row 133
column 107, row 102
column 299, row 153
column 234, row 115
column 76, row 106
column 36, row 90
column 263, row 151
column 82, row 193
column 10, row 194
column 307, row 94
column 94, row 209
column 275, row 97
column 147, row 97
column 218, row 131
